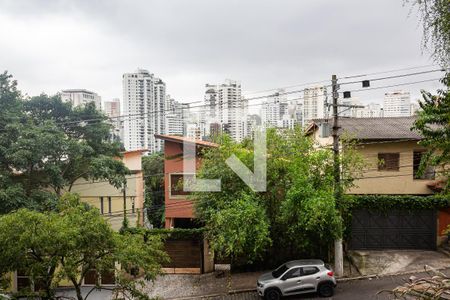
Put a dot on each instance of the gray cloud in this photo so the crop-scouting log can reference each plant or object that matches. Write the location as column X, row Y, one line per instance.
column 51, row 45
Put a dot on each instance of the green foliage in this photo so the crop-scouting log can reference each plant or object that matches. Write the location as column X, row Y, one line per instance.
column 172, row 233
column 70, row 242
column 435, row 15
column 433, row 123
column 153, row 169
column 226, row 230
column 390, row 202
column 295, row 217
column 46, row 145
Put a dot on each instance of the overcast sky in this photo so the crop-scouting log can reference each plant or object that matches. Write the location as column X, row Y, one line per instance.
column 54, row 45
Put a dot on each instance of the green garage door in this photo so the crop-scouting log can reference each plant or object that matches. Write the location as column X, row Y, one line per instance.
column 396, row 229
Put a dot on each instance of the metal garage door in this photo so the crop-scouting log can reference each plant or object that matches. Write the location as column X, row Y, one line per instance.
column 396, row 229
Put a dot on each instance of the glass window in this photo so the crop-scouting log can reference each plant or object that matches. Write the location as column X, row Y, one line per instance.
column 176, row 185
column 309, row 271
column 101, row 206
column 428, row 172
column 292, row 273
column 279, row 271
column 388, row 161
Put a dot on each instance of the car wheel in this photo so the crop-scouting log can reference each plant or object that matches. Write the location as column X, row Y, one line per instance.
column 272, row 294
column 326, row 290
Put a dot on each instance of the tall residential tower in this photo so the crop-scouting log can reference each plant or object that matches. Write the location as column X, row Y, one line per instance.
column 227, row 107
column 144, row 97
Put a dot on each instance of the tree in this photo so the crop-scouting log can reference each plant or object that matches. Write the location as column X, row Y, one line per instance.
column 295, row 216
column 433, row 123
column 71, row 242
column 153, row 168
column 46, row 145
column 435, row 15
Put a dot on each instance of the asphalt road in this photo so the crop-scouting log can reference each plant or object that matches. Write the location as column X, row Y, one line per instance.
column 350, row 290
column 364, row 289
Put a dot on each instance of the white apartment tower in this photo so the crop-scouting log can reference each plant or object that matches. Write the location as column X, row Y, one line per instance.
column 175, row 116
column 314, row 103
column 80, row 97
column 228, row 108
column 144, row 97
column 397, row 104
column 274, row 109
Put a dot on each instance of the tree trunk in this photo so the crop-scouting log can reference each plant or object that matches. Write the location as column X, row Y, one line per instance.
column 78, row 290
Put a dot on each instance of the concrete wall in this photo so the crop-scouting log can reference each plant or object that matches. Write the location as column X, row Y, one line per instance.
column 176, row 206
column 385, row 182
column 92, row 192
column 390, row 182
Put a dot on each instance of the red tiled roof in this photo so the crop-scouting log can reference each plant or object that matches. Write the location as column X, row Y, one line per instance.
column 182, row 139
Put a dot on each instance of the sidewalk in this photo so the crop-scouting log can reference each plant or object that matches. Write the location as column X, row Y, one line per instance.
column 178, row 286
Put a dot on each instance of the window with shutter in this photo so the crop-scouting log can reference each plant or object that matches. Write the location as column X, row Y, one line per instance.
column 388, row 161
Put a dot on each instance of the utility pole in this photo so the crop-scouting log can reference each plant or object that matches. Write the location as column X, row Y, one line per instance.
column 338, row 251
column 125, row 219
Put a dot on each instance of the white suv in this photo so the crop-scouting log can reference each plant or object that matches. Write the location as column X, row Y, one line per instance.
column 297, row 277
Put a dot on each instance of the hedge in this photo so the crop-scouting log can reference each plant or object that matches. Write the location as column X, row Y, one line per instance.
column 388, row 202
column 173, row 233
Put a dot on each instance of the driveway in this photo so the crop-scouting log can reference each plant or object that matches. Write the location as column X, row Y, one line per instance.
column 384, row 262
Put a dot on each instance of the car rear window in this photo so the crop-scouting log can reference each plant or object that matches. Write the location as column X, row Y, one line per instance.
column 328, row 267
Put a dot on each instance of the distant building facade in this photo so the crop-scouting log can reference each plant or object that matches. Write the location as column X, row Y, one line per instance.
column 314, row 103
column 112, row 109
column 226, row 106
column 175, row 117
column 397, row 104
column 274, row 109
column 80, row 97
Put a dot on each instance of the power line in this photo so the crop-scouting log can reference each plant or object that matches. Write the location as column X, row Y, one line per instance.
column 384, row 72
column 394, row 85
column 396, row 76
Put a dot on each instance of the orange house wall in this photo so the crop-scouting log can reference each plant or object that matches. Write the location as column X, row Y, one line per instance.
column 176, row 207
column 444, row 220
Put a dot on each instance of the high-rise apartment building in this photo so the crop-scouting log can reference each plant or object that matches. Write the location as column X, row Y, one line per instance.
column 273, row 109
column 175, row 117
column 80, row 97
column 228, row 108
column 397, row 104
column 112, row 110
column 144, row 97
column 314, row 103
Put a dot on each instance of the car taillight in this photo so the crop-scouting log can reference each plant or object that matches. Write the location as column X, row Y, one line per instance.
column 330, row 273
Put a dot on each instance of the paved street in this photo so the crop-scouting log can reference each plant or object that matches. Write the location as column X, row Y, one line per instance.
column 350, row 290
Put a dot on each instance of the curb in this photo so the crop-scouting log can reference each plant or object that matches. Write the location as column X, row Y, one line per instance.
column 387, row 275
